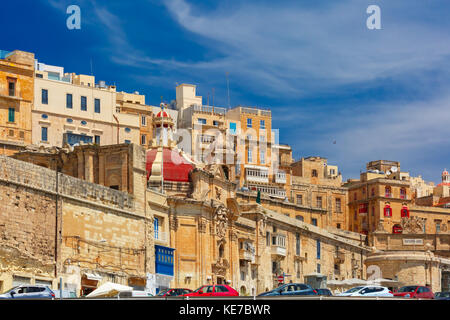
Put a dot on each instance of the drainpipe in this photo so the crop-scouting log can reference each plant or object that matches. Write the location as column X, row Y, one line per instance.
column 118, row 127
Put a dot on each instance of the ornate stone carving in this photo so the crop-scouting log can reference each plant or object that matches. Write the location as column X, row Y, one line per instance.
column 412, row 225
column 202, row 225
column 220, row 267
column 262, row 225
column 218, row 193
column 221, row 220
column 173, row 223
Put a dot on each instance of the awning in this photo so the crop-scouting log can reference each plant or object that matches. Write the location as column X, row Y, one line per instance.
column 93, row 276
column 108, row 289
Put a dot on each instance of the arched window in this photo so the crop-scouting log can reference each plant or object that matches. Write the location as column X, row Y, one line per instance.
column 221, row 251
column 387, row 211
column 388, row 193
column 405, row 212
column 402, row 193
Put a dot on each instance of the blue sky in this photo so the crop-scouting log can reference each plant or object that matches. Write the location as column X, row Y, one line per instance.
column 380, row 94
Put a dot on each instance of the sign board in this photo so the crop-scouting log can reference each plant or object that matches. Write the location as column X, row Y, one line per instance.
column 412, row 242
column 280, row 279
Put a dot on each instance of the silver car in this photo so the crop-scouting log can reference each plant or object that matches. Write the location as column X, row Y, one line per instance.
column 36, row 291
column 367, row 291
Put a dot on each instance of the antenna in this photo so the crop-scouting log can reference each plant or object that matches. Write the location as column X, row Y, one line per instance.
column 228, row 89
column 213, row 97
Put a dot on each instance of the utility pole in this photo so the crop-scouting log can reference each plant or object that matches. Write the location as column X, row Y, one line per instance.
column 228, row 89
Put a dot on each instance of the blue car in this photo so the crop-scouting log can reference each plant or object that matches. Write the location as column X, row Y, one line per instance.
column 35, row 291
column 442, row 295
column 291, row 289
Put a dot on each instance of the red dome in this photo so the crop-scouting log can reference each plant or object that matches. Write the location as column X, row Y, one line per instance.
column 175, row 167
column 445, row 172
column 165, row 115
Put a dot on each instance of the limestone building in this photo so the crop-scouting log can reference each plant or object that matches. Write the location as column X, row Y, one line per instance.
column 71, row 108
column 16, row 100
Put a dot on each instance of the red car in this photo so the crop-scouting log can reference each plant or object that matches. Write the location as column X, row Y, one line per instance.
column 174, row 292
column 216, row 290
column 414, row 292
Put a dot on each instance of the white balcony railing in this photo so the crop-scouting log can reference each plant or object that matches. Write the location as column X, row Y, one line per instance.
column 161, row 236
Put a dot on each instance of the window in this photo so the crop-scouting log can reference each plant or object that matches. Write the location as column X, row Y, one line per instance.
column 11, row 88
column 299, row 199
column 222, row 288
column 319, row 202
column 83, row 103
column 127, row 141
column 69, row 120
column 402, row 193
column 249, row 155
column 387, row 211
column 249, row 122
column 438, row 226
column 44, row 96
column 314, row 173
column 262, row 124
column 314, row 222
column 44, row 116
column 297, row 244
column 156, row 227
column 201, row 121
column 405, row 212
column 387, row 192
column 97, row 105
column 127, row 130
column 338, row 226
column 318, row 268
column 232, row 127
column 267, row 238
column 274, row 267
column 318, row 248
column 97, row 140
column 69, row 98
column 338, row 205
column 262, row 157
column 143, row 121
column 11, row 114
column 143, row 139
column 44, row 133
column 216, row 123
column 299, row 218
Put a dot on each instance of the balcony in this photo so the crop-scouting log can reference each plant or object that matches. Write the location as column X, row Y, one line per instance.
column 255, row 175
column 278, row 247
column 246, row 255
column 339, row 257
column 280, row 177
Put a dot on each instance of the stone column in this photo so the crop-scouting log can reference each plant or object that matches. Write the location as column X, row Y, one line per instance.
column 80, row 165
column 124, row 172
column 101, row 169
column 89, row 166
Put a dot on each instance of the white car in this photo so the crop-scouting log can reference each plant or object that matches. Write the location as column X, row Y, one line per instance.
column 367, row 291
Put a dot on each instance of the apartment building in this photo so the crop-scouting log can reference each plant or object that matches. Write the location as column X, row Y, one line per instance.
column 73, row 109
column 16, row 99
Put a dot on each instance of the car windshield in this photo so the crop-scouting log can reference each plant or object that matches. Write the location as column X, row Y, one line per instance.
column 353, row 289
column 407, row 289
column 197, row 290
column 8, row 291
column 443, row 294
column 161, row 293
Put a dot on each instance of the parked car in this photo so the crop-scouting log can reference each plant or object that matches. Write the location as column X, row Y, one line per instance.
column 415, row 292
column 216, row 290
column 134, row 294
column 175, row 292
column 367, row 291
column 442, row 295
column 36, row 291
column 324, row 292
column 291, row 289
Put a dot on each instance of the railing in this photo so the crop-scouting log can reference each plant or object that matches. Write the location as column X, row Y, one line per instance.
column 209, row 109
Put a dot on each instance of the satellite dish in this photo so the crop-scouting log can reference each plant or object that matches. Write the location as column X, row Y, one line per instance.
column 394, row 169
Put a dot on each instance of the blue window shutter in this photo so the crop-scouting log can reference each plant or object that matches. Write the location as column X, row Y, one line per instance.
column 11, row 115
column 44, row 134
